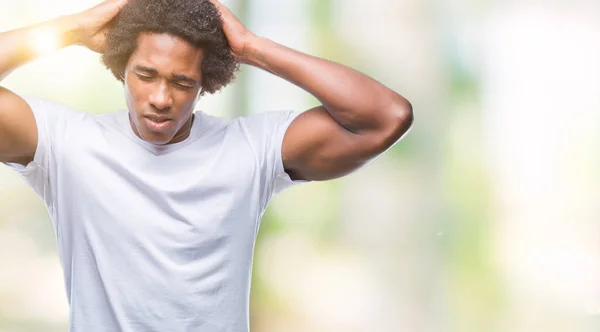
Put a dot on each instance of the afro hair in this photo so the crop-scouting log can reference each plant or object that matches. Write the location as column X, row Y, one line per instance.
column 195, row 21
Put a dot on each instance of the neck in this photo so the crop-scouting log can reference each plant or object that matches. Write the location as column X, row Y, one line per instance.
column 184, row 132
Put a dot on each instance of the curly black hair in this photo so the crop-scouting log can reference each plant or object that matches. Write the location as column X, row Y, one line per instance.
column 195, row 21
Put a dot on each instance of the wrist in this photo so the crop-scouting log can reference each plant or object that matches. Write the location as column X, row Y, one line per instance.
column 253, row 51
column 70, row 30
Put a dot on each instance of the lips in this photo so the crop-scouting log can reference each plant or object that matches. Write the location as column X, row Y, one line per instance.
column 157, row 123
column 157, row 118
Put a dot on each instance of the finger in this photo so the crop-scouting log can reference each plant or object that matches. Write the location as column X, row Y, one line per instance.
column 119, row 3
column 111, row 4
column 109, row 8
column 221, row 7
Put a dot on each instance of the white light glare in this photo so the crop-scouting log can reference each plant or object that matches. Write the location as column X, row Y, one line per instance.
column 45, row 40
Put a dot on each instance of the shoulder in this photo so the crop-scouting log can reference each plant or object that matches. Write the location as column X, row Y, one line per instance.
column 265, row 123
column 55, row 119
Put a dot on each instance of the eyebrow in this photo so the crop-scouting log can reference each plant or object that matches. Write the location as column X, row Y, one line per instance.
column 176, row 77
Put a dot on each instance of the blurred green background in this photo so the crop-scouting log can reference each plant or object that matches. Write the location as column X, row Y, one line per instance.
column 486, row 217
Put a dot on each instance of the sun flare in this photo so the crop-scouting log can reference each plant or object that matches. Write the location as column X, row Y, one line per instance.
column 45, row 40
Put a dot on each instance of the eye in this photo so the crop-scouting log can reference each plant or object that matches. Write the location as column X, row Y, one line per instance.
column 183, row 86
column 144, row 77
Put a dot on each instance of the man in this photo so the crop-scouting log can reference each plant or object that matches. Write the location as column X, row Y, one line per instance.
column 156, row 208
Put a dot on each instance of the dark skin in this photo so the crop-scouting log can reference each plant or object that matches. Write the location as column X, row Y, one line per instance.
column 358, row 120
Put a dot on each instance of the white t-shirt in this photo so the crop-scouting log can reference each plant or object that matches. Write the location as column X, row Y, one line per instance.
column 156, row 238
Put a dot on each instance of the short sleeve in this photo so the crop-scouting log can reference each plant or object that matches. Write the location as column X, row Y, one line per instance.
column 282, row 180
column 51, row 121
column 266, row 132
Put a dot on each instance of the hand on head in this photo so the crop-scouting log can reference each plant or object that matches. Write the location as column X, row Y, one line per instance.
column 238, row 36
column 94, row 22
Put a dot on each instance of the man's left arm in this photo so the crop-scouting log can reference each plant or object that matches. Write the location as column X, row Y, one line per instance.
column 358, row 120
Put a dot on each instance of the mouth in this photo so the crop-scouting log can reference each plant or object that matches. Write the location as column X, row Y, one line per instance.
column 157, row 123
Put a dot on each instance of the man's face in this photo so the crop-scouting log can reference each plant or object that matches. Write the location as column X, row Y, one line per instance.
column 162, row 85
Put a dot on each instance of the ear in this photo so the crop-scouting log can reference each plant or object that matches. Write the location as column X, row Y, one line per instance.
column 121, row 75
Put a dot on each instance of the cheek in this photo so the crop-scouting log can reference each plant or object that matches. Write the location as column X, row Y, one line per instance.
column 134, row 96
column 184, row 103
column 188, row 105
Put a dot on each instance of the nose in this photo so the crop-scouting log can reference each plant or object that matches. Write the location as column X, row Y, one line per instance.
column 161, row 98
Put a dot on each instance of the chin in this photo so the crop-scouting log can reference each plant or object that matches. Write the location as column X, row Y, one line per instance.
column 158, row 140
column 155, row 138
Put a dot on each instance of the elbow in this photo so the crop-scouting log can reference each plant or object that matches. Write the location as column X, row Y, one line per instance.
column 398, row 123
column 402, row 119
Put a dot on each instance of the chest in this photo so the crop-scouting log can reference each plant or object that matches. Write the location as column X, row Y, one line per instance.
column 208, row 191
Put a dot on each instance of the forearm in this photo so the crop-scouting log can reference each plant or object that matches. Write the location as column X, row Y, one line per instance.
column 17, row 47
column 354, row 100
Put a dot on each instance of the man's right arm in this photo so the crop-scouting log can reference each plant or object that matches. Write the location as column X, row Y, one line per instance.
column 18, row 129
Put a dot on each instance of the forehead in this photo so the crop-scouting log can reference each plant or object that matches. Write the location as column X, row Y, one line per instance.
column 167, row 54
